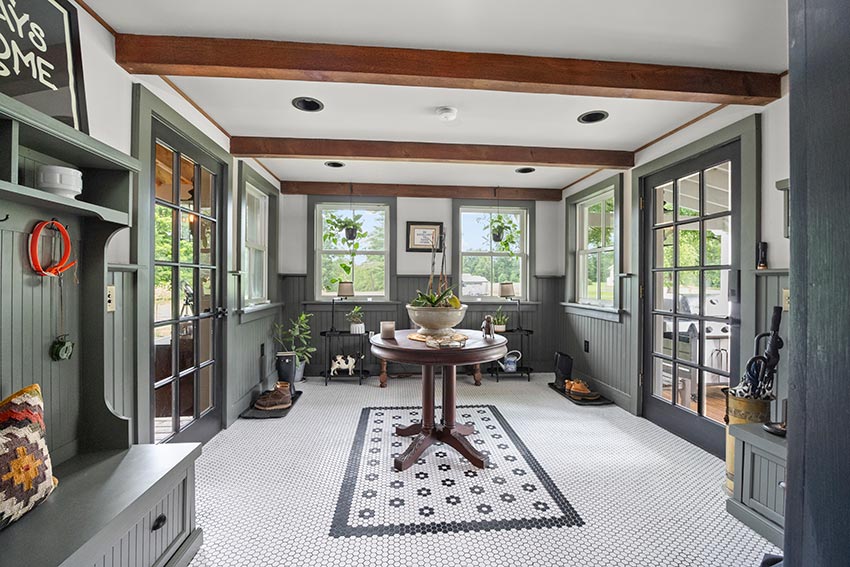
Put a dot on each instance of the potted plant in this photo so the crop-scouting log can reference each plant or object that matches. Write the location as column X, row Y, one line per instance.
column 352, row 229
column 355, row 317
column 505, row 232
column 295, row 338
column 500, row 321
column 438, row 310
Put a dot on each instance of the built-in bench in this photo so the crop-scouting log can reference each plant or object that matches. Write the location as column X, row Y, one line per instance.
column 130, row 508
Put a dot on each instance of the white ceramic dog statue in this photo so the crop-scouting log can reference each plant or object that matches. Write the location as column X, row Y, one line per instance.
column 344, row 362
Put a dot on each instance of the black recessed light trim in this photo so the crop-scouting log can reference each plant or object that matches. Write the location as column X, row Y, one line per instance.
column 593, row 117
column 307, row 104
column 334, row 164
column 525, row 170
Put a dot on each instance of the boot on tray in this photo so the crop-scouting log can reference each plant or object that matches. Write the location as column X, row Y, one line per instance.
column 279, row 398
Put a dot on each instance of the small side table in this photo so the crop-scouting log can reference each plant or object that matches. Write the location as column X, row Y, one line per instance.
column 340, row 338
column 524, row 348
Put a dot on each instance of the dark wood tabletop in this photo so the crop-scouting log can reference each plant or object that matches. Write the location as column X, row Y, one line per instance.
column 477, row 350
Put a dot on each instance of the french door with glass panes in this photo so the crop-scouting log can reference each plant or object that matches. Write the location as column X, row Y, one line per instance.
column 692, row 298
column 186, row 275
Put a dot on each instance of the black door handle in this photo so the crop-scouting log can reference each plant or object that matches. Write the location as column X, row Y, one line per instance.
column 160, row 521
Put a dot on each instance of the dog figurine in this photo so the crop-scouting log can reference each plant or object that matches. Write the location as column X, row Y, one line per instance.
column 344, row 362
column 487, row 327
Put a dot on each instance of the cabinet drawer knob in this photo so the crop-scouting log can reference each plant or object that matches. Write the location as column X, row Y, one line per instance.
column 782, row 484
column 159, row 522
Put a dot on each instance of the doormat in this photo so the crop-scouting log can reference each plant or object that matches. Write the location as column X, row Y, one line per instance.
column 442, row 492
column 252, row 413
column 601, row 401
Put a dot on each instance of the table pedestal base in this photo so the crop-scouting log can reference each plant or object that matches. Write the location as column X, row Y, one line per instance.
column 427, row 432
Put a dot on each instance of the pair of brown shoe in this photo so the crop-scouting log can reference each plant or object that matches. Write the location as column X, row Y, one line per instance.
column 579, row 390
column 279, row 398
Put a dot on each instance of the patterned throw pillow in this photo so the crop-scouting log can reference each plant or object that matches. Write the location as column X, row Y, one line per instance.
column 26, row 474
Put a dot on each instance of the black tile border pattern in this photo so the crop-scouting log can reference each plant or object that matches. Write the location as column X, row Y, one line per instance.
column 340, row 527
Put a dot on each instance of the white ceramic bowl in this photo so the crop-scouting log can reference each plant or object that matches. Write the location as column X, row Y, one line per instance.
column 436, row 321
column 63, row 181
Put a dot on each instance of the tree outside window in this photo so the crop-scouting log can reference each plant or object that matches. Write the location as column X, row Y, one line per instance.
column 485, row 262
column 596, row 273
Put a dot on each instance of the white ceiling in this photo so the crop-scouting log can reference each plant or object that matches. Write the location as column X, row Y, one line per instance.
column 249, row 107
column 419, row 173
column 730, row 34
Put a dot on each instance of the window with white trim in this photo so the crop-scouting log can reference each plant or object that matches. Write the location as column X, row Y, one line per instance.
column 363, row 260
column 255, row 250
column 486, row 260
column 596, row 241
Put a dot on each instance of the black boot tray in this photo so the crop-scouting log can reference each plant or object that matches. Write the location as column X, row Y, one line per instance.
column 601, row 401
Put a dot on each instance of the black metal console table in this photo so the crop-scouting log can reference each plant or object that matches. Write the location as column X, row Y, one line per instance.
column 341, row 338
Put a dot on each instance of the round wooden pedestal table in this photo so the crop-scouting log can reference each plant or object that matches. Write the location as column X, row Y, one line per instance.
column 478, row 350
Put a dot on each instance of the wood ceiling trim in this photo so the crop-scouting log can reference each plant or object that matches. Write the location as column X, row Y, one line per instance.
column 263, row 59
column 422, row 191
column 312, row 148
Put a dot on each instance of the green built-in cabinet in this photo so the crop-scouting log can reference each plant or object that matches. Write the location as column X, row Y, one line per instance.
column 110, row 493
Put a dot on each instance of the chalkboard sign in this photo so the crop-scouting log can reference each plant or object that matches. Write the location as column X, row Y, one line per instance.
column 40, row 63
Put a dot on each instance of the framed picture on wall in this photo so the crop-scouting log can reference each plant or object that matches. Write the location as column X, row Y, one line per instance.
column 422, row 236
column 40, row 59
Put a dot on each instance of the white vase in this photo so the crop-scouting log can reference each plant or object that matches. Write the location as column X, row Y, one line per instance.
column 500, row 328
column 358, row 328
column 436, row 321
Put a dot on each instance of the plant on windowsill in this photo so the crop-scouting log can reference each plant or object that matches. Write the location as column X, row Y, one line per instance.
column 439, row 309
column 500, row 320
column 505, row 232
column 344, row 232
column 355, row 317
column 294, row 338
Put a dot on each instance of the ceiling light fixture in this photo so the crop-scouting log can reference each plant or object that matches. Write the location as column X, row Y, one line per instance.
column 334, row 164
column 307, row 104
column 593, row 117
column 525, row 170
column 446, row 113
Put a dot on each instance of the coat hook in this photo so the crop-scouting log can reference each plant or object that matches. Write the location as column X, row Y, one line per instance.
column 4, row 219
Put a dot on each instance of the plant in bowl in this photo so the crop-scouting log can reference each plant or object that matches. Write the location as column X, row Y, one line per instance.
column 295, row 338
column 500, row 320
column 436, row 311
column 355, row 317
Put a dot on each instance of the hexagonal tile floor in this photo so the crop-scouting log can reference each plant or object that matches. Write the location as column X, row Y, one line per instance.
column 274, row 492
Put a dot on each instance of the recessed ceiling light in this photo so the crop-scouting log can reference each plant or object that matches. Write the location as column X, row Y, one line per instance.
column 593, row 117
column 334, row 164
column 525, row 170
column 307, row 104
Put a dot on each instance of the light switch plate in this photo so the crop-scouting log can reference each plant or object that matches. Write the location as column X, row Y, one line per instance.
column 110, row 298
column 786, row 299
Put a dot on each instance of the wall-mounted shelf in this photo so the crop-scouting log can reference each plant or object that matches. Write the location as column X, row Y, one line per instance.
column 44, row 200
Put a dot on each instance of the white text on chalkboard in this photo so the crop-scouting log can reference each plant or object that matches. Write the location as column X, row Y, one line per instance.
column 22, row 45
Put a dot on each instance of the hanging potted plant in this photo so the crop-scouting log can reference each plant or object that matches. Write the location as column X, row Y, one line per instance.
column 294, row 339
column 500, row 321
column 505, row 232
column 344, row 232
column 355, row 317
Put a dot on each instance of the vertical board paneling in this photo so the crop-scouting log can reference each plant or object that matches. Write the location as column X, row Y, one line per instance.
column 29, row 322
column 120, row 344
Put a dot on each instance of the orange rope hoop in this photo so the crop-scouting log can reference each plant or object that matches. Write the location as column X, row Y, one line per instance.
column 63, row 264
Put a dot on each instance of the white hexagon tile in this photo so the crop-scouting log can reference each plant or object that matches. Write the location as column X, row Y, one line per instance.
column 567, row 486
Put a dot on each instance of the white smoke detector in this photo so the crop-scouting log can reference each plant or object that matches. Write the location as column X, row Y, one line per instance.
column 446, row 113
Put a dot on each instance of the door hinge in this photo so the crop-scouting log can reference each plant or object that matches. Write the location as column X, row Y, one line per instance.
column 640, row 291
column 640, row 378
column 641, row 203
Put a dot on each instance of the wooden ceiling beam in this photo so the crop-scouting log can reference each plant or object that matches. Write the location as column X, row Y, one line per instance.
column 424, row 191
column 263, row 59
column 311, row 148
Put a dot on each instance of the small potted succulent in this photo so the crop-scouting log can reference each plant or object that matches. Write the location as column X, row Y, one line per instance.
column 295, row 338
column 500, row 321
column 355, row 317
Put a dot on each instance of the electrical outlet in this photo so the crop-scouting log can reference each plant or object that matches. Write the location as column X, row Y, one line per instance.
column 110, row 298
column 586, row 346
column 786, row 299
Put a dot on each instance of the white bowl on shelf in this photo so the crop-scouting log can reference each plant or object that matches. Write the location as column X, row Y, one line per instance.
column 62, row 181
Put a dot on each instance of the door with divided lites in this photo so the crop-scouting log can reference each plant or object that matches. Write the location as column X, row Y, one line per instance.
column 692, row 298
column 186, row 273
